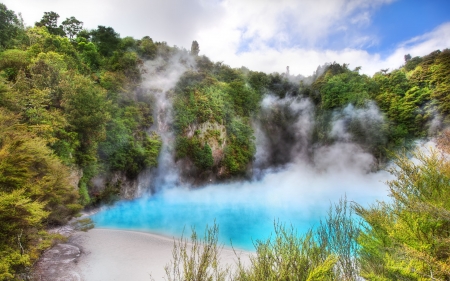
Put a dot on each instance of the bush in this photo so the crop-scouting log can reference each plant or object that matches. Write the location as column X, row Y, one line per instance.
column 328, row 253
column 197, row 259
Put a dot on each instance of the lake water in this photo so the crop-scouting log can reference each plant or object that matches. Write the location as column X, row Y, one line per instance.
column 246, row 211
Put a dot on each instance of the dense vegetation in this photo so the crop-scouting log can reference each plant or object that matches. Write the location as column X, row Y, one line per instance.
column 72, row 108
column 407, row 238
column 67, row 112
column 215, row 107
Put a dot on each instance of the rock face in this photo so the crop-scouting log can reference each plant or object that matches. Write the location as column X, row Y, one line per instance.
column 57, row 263
column 127, row 188
column 60, row 262
column 213, row 134
column 75, row 176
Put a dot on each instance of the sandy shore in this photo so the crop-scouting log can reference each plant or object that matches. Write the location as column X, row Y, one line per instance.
column 109, row 254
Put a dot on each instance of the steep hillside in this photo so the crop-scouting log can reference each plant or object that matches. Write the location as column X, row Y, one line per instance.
column 88, row 116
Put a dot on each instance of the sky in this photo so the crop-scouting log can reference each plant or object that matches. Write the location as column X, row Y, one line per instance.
column 268, row 35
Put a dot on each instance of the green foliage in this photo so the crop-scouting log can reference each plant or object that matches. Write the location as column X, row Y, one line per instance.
column 34, row 192
column 12, row 61
column 241, row 147
column 85, row 199
column 202, row 99
column 27, row 163
column 412, row 63
column 338, row 234
column 20, row 217
column 127, row 146
column 227, row 74
column 439, row 81
column 135, row 155
column 258, row 81
column 71, row 27
column 409, row 98
column 193, row 148
column 408, row 238
column 89, row 53
column 197, row 259
column 146, row 48
column 281, row 86
column 345, row 88
column 329, row 253
column 195, row 49
column 11, row 28
column 245, row 99
column 51, row 83
column 289, row 256
column 87, row 109
column 50, row 21
column 106, row 39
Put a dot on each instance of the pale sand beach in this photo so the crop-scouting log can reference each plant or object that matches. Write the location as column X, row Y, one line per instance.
column 109, row 254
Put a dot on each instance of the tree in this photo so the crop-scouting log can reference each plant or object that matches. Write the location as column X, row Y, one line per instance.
column 71, row 26
column 10, row 27
column 12, row 62
column 26, row 163
column 34, row 191
column 195, row 48
column 20, row 217
column 407, row 57
column 106, row 39
column 147, row 48
column 87, row 112
column 408, row 238
column 50, row 21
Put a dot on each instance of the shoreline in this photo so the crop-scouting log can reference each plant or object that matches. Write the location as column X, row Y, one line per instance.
column 117, row 254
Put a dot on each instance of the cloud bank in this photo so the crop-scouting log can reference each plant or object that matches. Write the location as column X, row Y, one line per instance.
column 261, row 35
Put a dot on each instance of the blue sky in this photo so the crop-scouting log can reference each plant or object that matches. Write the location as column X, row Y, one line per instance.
column 268, row 35
column 406, row 19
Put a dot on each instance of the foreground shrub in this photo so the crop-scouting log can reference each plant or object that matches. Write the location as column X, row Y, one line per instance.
column 197, row 259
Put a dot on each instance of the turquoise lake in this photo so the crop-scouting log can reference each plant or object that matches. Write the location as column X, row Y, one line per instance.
column 246, row 211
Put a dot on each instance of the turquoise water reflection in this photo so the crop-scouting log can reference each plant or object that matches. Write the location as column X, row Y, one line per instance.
column 246, row 211
column 238, row 222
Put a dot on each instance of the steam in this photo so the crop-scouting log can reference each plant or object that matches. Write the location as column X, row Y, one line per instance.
column 295, row 177
column 298, row 194
column 161, row 76
column 283, row 131
column 367, row 117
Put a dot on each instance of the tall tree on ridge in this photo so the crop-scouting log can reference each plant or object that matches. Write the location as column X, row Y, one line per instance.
column 72, row 27
column 10, row 26
column 106, row 39
column 195, row 48
column 50, row 20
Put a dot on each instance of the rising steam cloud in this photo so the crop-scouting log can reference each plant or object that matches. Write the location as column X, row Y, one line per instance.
column 295, row 180
column 161, row 76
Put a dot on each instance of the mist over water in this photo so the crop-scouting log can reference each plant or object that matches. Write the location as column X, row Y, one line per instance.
column 294, row 180
column 245, row 211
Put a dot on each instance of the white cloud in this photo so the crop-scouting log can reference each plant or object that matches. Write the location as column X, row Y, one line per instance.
column 262, row 35
column 305, row 60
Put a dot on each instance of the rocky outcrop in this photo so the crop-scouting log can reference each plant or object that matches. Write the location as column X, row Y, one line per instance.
column 215, row 135
column 212, row 133
column 57, row 263
column 120, row 183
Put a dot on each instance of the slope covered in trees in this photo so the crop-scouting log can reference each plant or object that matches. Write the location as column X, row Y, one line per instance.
column 72, row 107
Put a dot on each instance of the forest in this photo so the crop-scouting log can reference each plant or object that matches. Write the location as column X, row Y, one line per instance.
column 72, row 107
